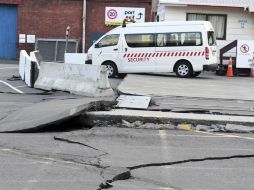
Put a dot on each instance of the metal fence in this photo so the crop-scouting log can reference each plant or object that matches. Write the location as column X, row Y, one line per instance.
column 53, row 49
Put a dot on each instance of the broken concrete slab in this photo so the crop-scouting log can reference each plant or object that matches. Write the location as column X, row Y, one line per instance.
column 239, row 128
column 230, row 128
column 42, row 114
column 213, row 128
column 164, row 117
column 134, row 102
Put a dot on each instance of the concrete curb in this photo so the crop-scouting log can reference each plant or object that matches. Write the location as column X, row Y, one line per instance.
column 162, row 117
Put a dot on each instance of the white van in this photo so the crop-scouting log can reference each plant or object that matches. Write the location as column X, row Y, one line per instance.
column 183, row 47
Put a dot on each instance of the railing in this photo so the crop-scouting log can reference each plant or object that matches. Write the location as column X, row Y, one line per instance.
column 221, row 69
column 226, row 49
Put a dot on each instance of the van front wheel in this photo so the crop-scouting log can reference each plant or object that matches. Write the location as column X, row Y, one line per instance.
column 112, row 69
column 183, row 69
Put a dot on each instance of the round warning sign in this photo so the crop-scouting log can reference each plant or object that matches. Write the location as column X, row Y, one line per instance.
column 112, row 14
column 244, row 48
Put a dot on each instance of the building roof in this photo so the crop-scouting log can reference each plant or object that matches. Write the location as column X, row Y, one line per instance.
column 246, row 4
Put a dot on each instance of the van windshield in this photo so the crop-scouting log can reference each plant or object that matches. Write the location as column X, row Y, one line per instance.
column 211, row 38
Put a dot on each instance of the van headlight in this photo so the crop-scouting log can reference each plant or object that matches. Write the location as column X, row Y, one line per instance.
column 89, row 56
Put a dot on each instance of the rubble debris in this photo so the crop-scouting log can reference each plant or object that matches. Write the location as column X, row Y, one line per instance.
column 142, row 125
column 230, row 128
column 239, row 128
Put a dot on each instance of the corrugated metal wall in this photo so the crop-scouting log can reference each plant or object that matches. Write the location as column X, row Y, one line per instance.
column 8, row 31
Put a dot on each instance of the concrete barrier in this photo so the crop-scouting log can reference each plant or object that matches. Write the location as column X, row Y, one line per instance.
column 22, row 62
column 36, row 57
column 28, row 67
column 86, row 80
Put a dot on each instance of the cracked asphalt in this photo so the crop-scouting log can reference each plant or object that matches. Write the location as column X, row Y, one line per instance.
column 109, row 157
column 156, row 159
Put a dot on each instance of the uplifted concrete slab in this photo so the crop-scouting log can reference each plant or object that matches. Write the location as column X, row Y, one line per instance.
column 39, row 115
column 118, row 115
column 208, row 85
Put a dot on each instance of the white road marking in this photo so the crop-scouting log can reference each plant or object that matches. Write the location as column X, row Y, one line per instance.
column 226, row 135
column 8, row 68
column 20, row 86
column 12, row 87
column 32, row 181
column 163, row 134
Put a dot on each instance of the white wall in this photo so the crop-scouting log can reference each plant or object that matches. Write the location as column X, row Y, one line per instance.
column 234, row 30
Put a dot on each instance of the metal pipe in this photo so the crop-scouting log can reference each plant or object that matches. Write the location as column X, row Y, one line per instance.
column 84, row 28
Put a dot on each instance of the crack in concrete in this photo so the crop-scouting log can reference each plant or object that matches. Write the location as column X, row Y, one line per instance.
column 2, row 118
column 127, row 175
column 98, row 162
column 47, row 157
column 79, row 143
column 190, row 160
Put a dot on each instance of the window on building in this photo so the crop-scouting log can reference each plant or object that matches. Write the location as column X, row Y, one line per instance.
column 218, row 22
column 109, row 40
column 179, row 39
column 140, row 40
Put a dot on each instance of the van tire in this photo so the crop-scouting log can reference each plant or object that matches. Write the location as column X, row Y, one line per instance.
column 112, row 69
column 195, row 74
column 183, row 69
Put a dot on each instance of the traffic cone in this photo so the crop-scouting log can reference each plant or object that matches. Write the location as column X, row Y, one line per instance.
column 230, row 68
column 252, row 68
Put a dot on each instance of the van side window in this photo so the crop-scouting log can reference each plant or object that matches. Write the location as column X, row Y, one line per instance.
column 179, row 39
column 109, row 40
column 140, row 40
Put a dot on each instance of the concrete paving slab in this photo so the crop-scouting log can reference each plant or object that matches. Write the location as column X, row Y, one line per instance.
column 138, row 102
column 208, row 85
column 44, row 113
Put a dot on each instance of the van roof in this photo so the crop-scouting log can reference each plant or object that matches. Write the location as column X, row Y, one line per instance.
column 169, row 23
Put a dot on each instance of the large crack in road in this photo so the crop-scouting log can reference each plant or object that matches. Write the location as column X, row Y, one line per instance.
column 127, row 174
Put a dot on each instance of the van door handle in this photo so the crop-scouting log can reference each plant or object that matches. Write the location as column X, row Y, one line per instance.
column 115, row 49
column 126, row 49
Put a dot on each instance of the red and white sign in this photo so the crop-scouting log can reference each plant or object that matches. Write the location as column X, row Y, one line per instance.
column 116, row 15
column 245, row 52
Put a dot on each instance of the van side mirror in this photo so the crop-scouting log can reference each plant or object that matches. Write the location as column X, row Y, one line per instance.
column 97, row 45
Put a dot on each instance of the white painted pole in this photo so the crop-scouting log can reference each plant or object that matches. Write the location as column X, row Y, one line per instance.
column 84, row 28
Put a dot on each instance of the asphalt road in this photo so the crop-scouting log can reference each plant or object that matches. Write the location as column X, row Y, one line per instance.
column 83, row 159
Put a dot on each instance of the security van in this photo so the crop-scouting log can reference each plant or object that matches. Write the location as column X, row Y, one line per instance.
column 183, row 47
